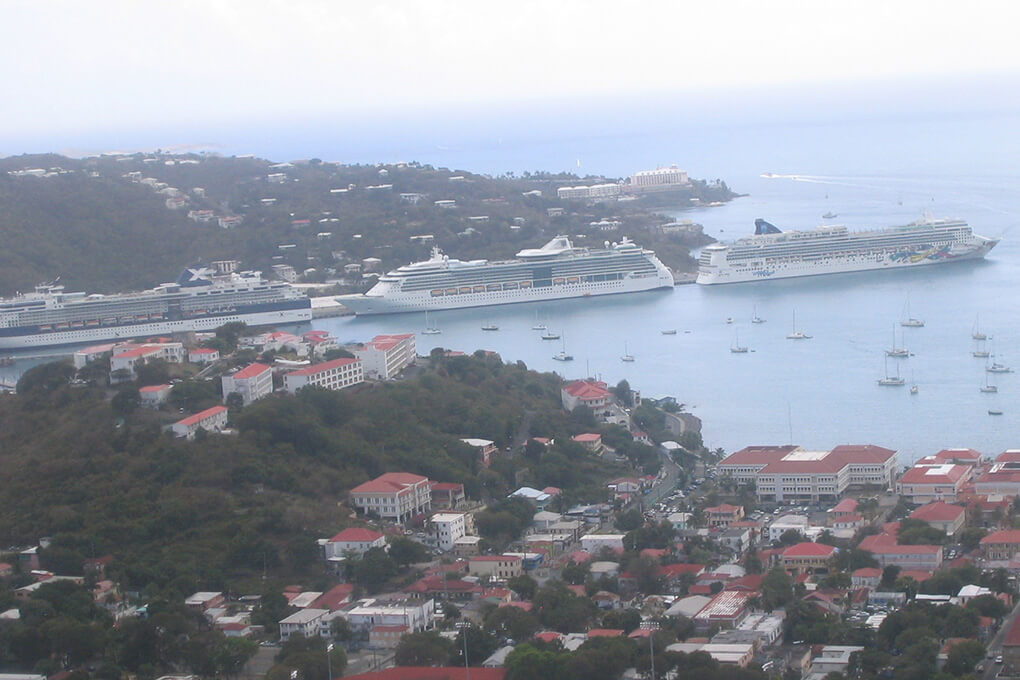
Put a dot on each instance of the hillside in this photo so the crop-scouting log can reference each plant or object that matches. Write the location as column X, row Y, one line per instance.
column 110, row 223
column 212, row 513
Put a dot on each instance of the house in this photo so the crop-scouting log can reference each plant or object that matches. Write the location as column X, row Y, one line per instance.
column 1011, row 645
column 726, row 610
column 211, row 420
column 496, row 567
column 466, row 546
column 307, row 622
column 432, row 673
column 593, row 543
column 355, row 540
column 592, row 441
column 202, row 600
column 396, row 496
column 723, row 515
column 385, row 356
column 252, row 382
column 845, row 508
column 447, row 495
column 594, row 394
column 203, row 355
column 331, row 375
column 942, row 516
column 1000, row 546
column 1002, row 477
column 866, row 577
column 625, row 486
column 415, row 615
column 539, row 499
column 484, row 447
column 737, row 539
column 386, row 637
column 807, row 557
column 887, row 552
column 446, row 528
column 926, row 483
column 153, row 396
column 129, row 357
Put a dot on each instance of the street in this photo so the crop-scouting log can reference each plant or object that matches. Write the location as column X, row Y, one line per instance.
column 995, row 645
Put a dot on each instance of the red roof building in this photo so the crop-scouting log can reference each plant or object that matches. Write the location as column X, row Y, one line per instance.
column 432, row 673
column 1001, row 545
column 212, row 420
column 385, row 356
column 723, row 515
column 397, row 496
column 942, row 516
column 591, row 393
column 926, row 483
column 252, row 382
column 331, row 375
column 807, row 557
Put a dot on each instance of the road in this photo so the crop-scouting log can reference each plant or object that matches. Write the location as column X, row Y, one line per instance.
column 995, row 645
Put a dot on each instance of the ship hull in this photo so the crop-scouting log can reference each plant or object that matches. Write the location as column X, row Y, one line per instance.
column 858, row 263
column 422, row 300
column 78, row 336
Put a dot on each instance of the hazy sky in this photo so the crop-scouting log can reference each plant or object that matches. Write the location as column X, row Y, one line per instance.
column 84, row 66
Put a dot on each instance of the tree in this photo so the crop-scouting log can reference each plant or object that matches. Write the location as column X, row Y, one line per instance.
column 480, row 646
column 511, row 622
column 622, row 619
column 752, row 564
column 374, row 569
column 889, row 575
column 125, row 401
column 524, row 586
column 970, row 537
column 776, row 588
column 405, row 552
column 623, row 394
column 963, row 656
column 427, row 648
column 791, row 537
column 153, row 372
column 629, row 520
column 45, row 378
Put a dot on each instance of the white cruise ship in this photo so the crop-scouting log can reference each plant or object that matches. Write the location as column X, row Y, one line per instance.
column 197, row 301
column 556, row 270
column 775, row 254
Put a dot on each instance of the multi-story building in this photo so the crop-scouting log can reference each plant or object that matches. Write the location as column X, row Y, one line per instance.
column 130, row 358
column 211, row 420
column 927, row 483
column 446, row 527
column 385, row 356
column 659, row 178
column 591, row 393
column 416, row 615
column 306, row 622
column 789, row 473
column 1001, row 546
column 1002, row 477
column 723, row 515
column 152, row 396
column 252, row 382
column 396, row 496
column 355, row 540
column 943, row 516
column 807, row 557
column 485, row 448
column 203, row 355
column 331, row 375
column 496, row 567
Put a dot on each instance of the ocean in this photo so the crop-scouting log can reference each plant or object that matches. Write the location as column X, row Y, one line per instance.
column 871, row 169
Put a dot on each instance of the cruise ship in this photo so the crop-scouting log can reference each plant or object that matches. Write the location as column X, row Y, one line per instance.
column 198, row 301
column 555, row 271
column 775, row 254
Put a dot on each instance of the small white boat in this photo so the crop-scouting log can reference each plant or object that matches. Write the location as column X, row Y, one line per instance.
column 490, row 327
column 539, row 326
column 430, row 329
column 288, row 362
column 896, row 352
column 891, row 381
column 729, row 319
column 976, row 333
column 627, row 356
column 669, row 331
column 994, row 412
column 754, row 316
column 911, row 322
column 562, row 356
column 913, row 389
column 998, row 368
column 797, row 335
column 736, row 347
column 549, row 335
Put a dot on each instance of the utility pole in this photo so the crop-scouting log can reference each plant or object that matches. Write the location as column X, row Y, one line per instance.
column 329, row 661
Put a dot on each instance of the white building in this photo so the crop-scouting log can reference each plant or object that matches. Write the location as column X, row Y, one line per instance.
column 130, row 358
column 203, row 355
column 385, row 356
column 152, row 396
column 417, row 615
column 306, row 622
column 396, row 496
column 252, row 382
column 355, row 540
column 331, row 375
column 212, row 420
column 660, row 177
column 446, row 528
column 593, row 543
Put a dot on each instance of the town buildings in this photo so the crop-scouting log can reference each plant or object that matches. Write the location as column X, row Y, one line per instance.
column 331, row 375
column 252, row 382
column 1000, row 546
column 396, row 496
column 807, row 557
column 353, row 540
column 723, row 515
column 153, row 396
column 446, row 528
column 1002, row 477
column 943, row 516
column 126, row 360
column 591, row 393
column 496, row 567
column 211, row 420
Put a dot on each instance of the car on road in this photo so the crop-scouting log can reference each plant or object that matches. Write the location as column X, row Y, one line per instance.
column 998, row 659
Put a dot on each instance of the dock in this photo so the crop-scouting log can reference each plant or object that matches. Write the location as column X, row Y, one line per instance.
column 326, row 306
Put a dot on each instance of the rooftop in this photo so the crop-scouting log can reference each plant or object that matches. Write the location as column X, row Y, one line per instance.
column 325, row 366
column 201, row 415
column 809, row 550
column 937, row 511
column 250, row 371
column 356, row 535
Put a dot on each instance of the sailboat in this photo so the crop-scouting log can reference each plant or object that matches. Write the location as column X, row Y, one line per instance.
column 539, row 326
column 896, row 352
column 627, row 356
column 890, row 381
column 980, row 352
column 669, row 331
column 911, row 322
column 797, row 335
column 913, row 385
column 562, row 354
column 998, row 368
column 988, row 388
column 754, row 316
column 549, row 335
column 976, row 333
column 430, row 329
column 490, row 327
column 736, row 347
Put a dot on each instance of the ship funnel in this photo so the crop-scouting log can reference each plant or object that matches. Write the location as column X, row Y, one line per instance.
column 763, row 227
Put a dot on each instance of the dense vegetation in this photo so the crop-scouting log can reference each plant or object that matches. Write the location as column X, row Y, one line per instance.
column 79, row 223
column 181, row 516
